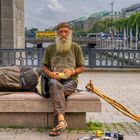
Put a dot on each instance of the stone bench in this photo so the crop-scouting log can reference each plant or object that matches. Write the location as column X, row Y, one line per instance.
column 29, row 109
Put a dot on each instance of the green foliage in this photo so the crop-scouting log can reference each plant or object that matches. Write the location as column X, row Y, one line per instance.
column 12, row 126
column 41, row 130
column 94, row 125
column 30, row 32
column 69, row 130
column 117, row 24
column 79, row 33
column 97, row 27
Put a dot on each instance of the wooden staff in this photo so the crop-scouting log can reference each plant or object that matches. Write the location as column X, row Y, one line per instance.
column 115, row 104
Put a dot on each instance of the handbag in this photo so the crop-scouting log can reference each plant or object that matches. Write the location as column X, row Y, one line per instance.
column 42, row 86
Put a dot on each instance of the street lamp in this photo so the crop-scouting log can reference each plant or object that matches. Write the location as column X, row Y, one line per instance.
column 112, row 4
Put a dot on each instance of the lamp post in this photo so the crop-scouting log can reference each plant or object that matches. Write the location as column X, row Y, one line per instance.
column 112, row 4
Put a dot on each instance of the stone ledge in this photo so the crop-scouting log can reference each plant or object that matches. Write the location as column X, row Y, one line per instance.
column 32, row 110
column 32, row 102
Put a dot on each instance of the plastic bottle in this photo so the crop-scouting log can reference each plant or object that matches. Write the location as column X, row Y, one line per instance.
column 120, row 136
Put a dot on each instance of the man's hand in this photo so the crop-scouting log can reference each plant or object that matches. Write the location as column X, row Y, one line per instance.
column 69, row 72
column 54, row 75
column 49, row 73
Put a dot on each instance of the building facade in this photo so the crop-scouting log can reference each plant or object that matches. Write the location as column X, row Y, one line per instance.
column 87, row 23
column 12, row 24
column 126, row 12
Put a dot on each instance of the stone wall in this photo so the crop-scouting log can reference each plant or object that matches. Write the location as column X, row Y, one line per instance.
column 19, row 39
column 12, row 24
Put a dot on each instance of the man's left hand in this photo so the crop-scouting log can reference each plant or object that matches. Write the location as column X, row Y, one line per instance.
column 68, row 72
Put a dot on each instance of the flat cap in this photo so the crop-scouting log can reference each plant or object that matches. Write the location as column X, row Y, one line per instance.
column 61, row 25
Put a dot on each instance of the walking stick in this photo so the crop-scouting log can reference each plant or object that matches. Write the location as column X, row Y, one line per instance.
column 114, row 103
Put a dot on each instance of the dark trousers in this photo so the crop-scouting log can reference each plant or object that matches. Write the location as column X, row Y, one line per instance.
column 59, row 90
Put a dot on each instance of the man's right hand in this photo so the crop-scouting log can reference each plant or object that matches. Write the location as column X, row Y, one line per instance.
column 54, row 75
column 51, row 74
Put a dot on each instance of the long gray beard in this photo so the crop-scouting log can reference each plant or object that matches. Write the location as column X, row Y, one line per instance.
column 63, row 47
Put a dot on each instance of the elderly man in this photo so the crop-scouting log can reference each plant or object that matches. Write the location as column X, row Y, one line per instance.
column 62, row 62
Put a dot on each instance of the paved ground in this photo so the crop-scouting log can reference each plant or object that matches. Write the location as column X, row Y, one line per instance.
column 124, row 87
column 34, row 134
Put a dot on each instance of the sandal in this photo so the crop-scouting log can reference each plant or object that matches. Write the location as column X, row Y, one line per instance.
column 56, row 131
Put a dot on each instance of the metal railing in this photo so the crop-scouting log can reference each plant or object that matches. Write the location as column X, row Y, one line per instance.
column 21, row 57
column 94, row 58
column 111, row 58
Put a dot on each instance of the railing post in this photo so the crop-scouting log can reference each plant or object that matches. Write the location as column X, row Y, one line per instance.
column 92, row 57
column 41, row 52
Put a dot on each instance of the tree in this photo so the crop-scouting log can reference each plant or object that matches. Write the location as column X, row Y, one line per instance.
column 31, row 32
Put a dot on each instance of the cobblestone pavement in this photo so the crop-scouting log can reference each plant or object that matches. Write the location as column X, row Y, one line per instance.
column 120, row 86
column 35, row 134
column 124, row 87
